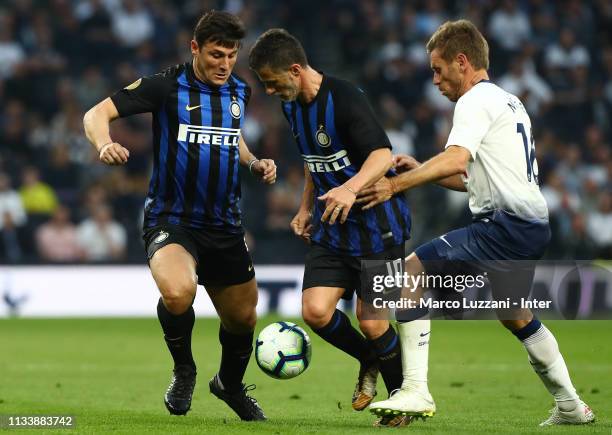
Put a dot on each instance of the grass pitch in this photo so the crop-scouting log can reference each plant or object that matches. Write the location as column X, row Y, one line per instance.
column 111, row 375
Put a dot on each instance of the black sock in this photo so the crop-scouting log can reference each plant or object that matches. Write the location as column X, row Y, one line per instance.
column 389, row 354
column 340, row 333
column 177, row 333
column 235, row 354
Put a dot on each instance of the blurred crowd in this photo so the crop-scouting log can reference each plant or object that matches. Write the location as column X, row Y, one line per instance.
column 58, row 58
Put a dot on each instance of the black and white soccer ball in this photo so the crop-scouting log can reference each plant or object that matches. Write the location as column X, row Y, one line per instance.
column 283, row 350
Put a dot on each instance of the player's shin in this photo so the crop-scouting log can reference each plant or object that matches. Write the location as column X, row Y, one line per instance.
column 236, row 352
column 548, row 363
column 414, row 333
column 388, row 353
column 177, row 333
column 340, row 333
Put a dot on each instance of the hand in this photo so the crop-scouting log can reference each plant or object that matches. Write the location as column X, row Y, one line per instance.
column 265, row 169
column 114, row 154
column 301, row 225
column 338, row 202
column 404, row 163
column 381, row 191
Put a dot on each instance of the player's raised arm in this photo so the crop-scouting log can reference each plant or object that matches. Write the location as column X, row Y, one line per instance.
column 265, row 169
column 447, row 165
column 147, row 94
column 96, row 123
column 404, row 163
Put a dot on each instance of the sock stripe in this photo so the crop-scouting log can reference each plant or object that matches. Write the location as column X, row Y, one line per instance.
column 528, row 330
column 341, row 334
column 333, row 324
column 539, row 335
column 390, row 346
column 337, row 322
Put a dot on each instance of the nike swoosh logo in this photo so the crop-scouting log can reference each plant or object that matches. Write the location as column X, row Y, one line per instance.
column 190, row 108
column 423, row 335
column 445, row 241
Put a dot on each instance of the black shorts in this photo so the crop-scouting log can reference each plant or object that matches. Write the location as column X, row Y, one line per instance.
column 325, row 268
column 222, row 258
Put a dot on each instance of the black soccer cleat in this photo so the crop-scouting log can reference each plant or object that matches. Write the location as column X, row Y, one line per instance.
column 241, row 403
column 179, row 393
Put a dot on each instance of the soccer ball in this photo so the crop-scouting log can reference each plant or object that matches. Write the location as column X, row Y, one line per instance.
column 282, row 350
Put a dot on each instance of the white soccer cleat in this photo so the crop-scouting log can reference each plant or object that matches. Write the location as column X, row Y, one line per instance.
column 582, row 414
column 406, row 402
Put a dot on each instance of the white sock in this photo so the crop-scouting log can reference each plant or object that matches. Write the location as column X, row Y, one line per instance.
column 549, row 365
column 414, row 340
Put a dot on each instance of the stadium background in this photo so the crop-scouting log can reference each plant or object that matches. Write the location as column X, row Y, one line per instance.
column 58, row 204
column 59, row 57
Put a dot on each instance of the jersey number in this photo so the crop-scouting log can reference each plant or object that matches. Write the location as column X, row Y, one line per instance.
column 529, row 153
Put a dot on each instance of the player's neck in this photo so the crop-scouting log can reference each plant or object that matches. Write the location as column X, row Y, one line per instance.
column 311, row 83
column 473, row 79
column 200, row 74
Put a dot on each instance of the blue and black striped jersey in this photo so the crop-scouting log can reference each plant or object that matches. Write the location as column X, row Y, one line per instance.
column 196, row 129
column 335, row 134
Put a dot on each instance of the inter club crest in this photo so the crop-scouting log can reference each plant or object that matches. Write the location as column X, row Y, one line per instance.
column 235, row 109
column 322, row 137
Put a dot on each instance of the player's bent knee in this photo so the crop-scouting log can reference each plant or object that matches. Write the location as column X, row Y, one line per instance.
column 240, row 321
column 179, row 296
column 373, row 329
column 177, row 304
column 316, row 316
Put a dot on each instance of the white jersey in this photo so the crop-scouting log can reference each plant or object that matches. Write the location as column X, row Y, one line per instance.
column 503, row 173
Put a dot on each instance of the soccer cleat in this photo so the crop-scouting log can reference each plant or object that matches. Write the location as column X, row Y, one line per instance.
column 365, row 390
column 393, row 421
column 179, row 393
column 406, row 402
column 244, row 405
column 582, row 414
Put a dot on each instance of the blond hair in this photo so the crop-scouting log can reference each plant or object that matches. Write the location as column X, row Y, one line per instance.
column 461, row 36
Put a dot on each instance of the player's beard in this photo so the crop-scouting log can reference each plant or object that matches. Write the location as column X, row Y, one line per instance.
column 290, row 94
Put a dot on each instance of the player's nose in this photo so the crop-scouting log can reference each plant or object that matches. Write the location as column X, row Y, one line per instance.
column 269, row 91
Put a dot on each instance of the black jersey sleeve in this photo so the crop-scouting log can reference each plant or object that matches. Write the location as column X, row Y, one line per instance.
column 359, row 129
column 147, row 94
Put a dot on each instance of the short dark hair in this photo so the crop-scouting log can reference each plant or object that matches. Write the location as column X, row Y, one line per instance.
column 277, row 49
column 220, row 27
column 461, row 36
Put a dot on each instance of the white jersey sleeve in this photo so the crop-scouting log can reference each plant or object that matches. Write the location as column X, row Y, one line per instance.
column 470, row 125
column 503, row 172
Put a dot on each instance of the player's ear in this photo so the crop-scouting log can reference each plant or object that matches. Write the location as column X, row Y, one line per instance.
column 462, row 61
column 195, row 49
column 295, row 69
